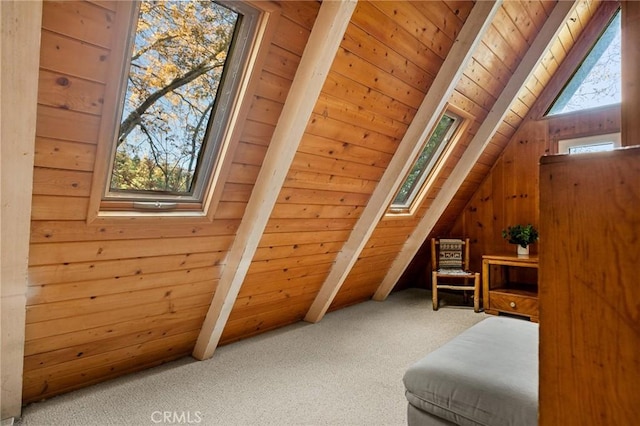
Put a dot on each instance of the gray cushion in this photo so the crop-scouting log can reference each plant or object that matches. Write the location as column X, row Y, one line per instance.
column 488, row 375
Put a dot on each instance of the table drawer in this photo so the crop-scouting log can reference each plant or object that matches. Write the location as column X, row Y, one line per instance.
column 514, row 303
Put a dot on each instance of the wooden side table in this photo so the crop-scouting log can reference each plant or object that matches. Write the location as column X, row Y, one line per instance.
column 505, row 296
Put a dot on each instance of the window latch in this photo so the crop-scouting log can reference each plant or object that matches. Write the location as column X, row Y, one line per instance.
column 154, row 205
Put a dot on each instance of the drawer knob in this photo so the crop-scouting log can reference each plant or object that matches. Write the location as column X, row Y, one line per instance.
column 512, row 304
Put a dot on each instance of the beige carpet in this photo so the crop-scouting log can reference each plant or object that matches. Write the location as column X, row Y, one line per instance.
column 345, row 370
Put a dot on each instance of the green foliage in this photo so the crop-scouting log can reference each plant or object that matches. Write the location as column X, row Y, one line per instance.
column 420, row 167
column 144, row 174
column 521, row 234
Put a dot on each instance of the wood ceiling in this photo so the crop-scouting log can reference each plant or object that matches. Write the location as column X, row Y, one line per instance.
column 347, row 94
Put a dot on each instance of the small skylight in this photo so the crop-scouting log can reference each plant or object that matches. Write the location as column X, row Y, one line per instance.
column 597, row 82
column 426, row 161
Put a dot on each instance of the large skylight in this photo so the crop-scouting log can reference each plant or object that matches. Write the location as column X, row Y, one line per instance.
column 185, row 68
column 597, row 82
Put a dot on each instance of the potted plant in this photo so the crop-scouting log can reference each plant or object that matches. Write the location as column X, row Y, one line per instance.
column 522, row 235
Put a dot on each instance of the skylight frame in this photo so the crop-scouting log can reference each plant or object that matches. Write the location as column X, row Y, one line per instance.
column 433, row 166
column 558, row 106
column 218, row 127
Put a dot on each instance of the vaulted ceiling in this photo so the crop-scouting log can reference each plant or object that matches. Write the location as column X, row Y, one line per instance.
column 344, row 99
column 395, row 69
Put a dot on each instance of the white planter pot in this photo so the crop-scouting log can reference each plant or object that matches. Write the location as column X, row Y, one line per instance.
column 523, row 251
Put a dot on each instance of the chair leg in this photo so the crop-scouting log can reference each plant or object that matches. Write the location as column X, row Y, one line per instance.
column 465, row 295
column 434, row 290
column 476, row 293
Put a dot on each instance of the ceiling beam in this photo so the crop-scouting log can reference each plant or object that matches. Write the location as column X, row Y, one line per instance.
column 477, row 145
column 323, row 43
column 582, row 46
column 424, row 120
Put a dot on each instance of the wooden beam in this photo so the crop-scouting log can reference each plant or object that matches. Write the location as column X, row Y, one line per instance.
column 525, row 69
column 316, row 61
column 574, row 58
column 19, row 58
column 424, row 120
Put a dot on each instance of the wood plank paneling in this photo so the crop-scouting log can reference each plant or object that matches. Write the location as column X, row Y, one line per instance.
column 93, row 320
column 123, row 294
column 143, row 268
column 62, row 124
column 385, row 65
column 54, row 310
column 79, row 20
column 147, row 333
column 506, row 41
column 64, row 155
column 67, row 252
column 40, row 348
column 48, row 381
column 387, row 60
column 390, row 61
column 249, row 326
column 67, row 92
column 509, row 193
column 64, row 183
column 589, row 317
column 337, row 85
column 59, row 53
column 630, row 69
column 41, row 297
column 76, row 231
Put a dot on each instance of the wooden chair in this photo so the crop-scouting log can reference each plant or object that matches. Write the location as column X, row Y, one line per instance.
column 450, row 260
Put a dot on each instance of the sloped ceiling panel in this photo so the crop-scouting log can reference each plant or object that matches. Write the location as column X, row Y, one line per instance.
column 520, row 109
column 319, row 52
column 371, row 96
column 497, row 57
column 105, row 298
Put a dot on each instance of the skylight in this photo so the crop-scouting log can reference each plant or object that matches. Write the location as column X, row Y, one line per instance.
column 597, row 82
column 185, row 67
column 426, row 161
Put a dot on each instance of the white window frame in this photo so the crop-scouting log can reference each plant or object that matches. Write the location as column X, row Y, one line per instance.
column 572, row 82
column 100, row 207
column 564, row 145
column 434, row 165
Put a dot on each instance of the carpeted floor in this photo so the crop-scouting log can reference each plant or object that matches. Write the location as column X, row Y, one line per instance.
column 345, row 370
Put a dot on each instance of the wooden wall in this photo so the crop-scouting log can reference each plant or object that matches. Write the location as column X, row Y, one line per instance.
column 589, row 315
column 493, row 62
column 630, row 72
column 507, row 193
column 589, row 333
column 112, row 297
column 369, row 99
column 115, row 296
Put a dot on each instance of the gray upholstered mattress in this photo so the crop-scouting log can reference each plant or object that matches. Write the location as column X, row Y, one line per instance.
column 488, row 375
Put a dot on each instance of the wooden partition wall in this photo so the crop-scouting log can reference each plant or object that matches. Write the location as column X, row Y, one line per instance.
column 589, row 314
